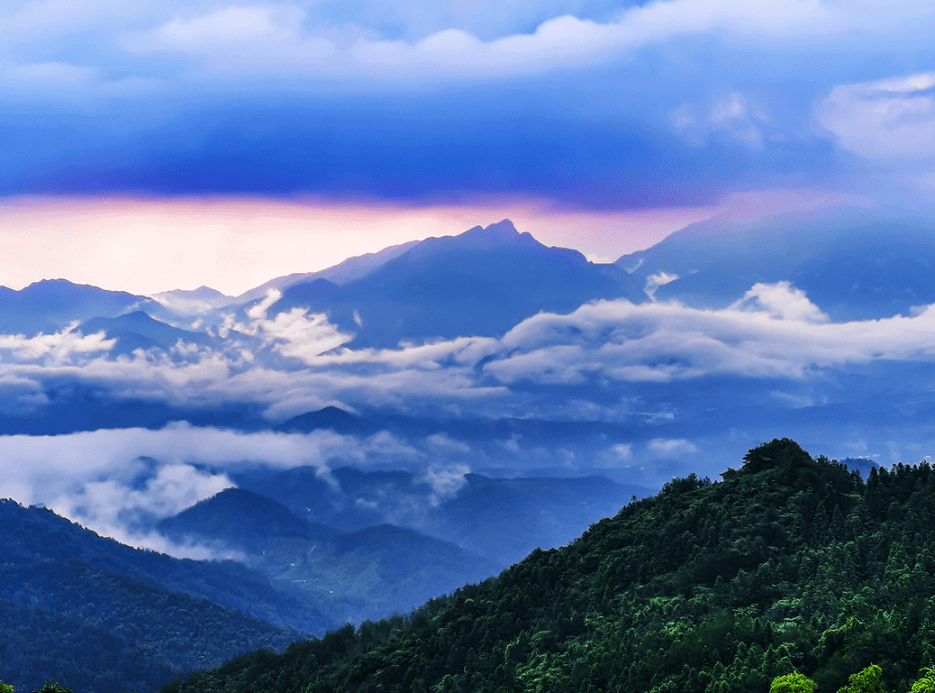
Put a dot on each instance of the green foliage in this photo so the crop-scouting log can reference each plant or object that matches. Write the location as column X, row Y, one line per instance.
column 869, row 680
column 6, row 688
column 792, row 683
column 787, row 564
column 52, row 687
column 926, row 682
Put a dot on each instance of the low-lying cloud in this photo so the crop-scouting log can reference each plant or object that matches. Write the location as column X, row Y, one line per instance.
column 638, row 373
column 120, row 482
column 294, row 362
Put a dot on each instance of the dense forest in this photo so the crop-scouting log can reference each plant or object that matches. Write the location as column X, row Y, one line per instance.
column 105, row 618
column 789, row 574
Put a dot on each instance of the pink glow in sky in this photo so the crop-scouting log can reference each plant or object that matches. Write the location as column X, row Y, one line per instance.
column 234, row 244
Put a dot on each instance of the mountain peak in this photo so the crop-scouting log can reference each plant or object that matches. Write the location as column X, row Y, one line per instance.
column 503, row 233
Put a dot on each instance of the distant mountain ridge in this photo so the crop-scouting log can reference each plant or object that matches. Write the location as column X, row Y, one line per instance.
column 854, row 264
column 138, row 330
column 51, row 305
column 518, row 514
column 479, row 283
column 343, row 272
column 361, row 574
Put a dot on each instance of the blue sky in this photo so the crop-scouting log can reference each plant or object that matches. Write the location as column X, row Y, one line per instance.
column 570, row 106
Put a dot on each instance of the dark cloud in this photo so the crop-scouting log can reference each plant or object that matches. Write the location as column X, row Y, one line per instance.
column 668, row 104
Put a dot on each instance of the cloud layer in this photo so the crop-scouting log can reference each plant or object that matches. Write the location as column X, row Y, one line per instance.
column 297, row 361
column 640, row 392
column 586, row 103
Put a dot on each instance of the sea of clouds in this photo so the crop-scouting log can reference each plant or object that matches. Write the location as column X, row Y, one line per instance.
column 645, row 375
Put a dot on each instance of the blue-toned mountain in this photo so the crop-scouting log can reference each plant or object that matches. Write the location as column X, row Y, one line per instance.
column 358, row 575
column 137, row 330
column 480, row 283
column 105, row 617
column 854, row 264
column 51, row 305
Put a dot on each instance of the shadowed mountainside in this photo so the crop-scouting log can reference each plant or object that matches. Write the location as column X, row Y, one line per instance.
column 105, row 617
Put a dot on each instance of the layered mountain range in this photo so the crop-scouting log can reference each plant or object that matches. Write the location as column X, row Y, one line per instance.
column 362, row 439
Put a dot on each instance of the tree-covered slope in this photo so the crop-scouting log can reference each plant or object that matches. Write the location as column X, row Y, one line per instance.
column 106, row 618
column 787, row 565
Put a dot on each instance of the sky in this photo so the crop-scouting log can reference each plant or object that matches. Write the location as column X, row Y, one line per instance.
column 165, row 144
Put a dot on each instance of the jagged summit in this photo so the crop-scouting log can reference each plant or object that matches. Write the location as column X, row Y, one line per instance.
column 503, row 233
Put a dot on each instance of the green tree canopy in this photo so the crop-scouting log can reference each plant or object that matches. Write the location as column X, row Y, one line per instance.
column 52, row 687
column 870, row 680
column 792, row 683
column 926, row 683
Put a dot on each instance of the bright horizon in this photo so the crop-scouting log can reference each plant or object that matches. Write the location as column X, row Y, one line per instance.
column 233, row 244
column 145, row 153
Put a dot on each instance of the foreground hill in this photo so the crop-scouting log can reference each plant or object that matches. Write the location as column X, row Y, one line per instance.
column 104, row 617
column 788, row 564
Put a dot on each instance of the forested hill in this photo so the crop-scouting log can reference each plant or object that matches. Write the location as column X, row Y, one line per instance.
column 788, row 564
column 105, row 618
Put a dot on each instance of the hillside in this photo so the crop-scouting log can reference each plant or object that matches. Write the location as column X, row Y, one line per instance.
column 368, row 573
column 104, row 617
column 787, row 564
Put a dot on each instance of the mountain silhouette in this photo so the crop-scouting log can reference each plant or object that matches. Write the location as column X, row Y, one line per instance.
column 853, row 264
column 51, row 305
column 480, row 283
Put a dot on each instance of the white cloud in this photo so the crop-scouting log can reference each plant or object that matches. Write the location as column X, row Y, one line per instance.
column 114, row 509
column 445, row 481
column 781, row 301
column 59, row 347
column 665, row 447
column 654, row 281
column 119, row 482
column 294, row 333
column 284, row 39
column 886, row 119
column 445, row 445
column 239, row 39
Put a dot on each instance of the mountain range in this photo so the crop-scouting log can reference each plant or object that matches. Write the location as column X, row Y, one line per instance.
column 853, row 264
column 357, row 441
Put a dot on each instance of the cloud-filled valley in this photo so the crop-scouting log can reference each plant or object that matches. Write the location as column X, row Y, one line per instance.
column 120, row 422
